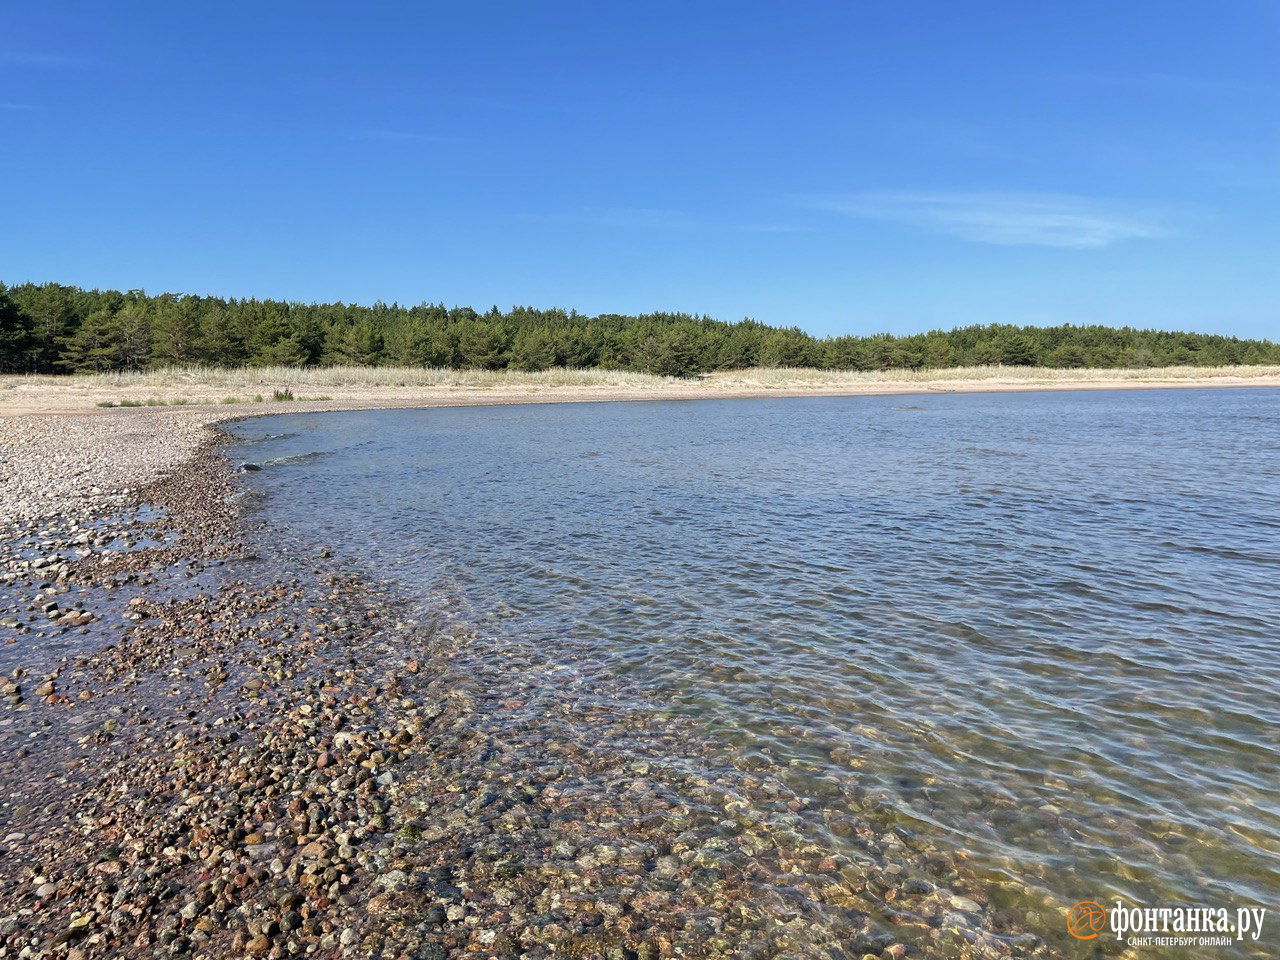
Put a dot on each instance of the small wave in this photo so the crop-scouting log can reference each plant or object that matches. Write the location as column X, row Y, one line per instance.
column 294, row 458
column 265, row 438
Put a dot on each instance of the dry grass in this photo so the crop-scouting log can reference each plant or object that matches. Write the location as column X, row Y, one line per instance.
column 294, row 388
column 799, row 377
column 257, row 379
column 269, row 378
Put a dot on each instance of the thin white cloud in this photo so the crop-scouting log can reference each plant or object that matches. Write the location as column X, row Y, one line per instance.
column 16, row 106
column 1004, row 219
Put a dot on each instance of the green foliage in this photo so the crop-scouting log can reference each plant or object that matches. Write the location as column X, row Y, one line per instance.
column 175, row 327
column 108, row 339
column 49, row 328
column 533, row 348
column 15, row 336
column 669, row 352
column 50, row 312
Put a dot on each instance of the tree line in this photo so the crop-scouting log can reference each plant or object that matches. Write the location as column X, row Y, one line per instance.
column 54, row 328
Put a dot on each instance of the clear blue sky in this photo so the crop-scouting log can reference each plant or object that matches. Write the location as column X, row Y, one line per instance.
column 845, row 167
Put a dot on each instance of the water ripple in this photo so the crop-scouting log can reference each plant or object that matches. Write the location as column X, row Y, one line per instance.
column 1039, row 630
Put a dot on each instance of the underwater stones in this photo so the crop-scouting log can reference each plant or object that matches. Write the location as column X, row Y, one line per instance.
column 258, row 945
column 462, row 803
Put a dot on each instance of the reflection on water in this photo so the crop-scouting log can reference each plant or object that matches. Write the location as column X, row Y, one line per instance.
column 1037, row 629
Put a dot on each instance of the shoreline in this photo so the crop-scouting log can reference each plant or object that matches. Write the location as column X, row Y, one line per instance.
column 261, row 714
column 278, row 759
column 45, row 396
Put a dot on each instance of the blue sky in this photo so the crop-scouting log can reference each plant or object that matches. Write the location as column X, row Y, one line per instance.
column 844, row 167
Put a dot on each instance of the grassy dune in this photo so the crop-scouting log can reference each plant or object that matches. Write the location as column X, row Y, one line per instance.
column 200, row 385
column 244, row 378
column 252, row 378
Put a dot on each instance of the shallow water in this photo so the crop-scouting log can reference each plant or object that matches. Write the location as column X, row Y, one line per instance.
column 1036, row 630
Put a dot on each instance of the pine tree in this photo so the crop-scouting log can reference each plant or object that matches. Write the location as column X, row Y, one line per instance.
column 15, row 336
column 93, row 346
column 532, row 349
column 176, row 330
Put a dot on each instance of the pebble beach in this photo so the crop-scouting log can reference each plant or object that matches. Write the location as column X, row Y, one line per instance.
column 524, row 482
column 214, row 743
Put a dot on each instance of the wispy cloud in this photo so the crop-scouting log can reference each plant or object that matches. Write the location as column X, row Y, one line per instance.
column 1005, row 219
column 16, row 106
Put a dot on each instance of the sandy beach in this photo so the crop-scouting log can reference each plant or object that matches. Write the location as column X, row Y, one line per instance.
column 250, row 390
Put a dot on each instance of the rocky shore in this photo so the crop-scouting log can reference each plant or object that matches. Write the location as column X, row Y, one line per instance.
column 215, row 743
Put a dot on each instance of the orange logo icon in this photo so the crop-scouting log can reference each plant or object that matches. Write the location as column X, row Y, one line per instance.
column 1086, row 919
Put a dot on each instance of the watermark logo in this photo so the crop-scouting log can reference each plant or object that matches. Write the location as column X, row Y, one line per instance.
column 1086, row 920
column 1166, row 926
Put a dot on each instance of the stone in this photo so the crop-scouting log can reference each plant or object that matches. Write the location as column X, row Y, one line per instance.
column 80, row 922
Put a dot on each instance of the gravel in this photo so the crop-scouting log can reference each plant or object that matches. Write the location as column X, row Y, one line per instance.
column 215, row 743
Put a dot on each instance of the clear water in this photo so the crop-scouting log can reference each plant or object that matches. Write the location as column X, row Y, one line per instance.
column 1039, row 630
